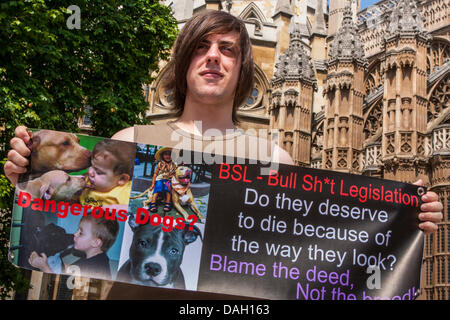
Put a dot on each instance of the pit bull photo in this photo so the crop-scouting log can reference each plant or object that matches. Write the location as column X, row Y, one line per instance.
column 54, row 185
column 155, row 256
column 181, row 192
column 54, row 150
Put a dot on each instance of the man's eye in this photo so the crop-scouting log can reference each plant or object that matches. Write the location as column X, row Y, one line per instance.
column 228, row 50
column 66, row 143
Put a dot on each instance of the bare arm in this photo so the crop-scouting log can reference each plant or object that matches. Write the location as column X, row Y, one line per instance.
column 126, row 134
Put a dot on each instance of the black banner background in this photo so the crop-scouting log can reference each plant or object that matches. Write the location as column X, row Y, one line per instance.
column 399, row 275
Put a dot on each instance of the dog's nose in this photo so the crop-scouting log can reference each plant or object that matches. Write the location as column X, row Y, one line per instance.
column 152, row 269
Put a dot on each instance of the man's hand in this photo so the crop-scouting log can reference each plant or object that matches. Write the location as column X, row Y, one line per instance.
column 17, row 160
column 431, row 210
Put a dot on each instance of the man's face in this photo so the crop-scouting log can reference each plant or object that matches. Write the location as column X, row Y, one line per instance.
column 214, row 70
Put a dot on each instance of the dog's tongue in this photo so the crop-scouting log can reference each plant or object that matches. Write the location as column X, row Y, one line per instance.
column 184, row 180
column 89, row 183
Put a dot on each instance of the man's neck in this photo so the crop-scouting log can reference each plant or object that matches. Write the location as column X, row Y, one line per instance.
column 206, row 119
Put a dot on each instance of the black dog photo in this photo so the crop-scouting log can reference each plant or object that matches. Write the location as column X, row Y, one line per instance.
column 154, row 257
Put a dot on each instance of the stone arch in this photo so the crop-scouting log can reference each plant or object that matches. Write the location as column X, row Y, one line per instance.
column 372, row 79
column 439, row 101
column 437, row 53
column 253, row 14
column 162, row 98
column 317, row 138
column 317, row 141
column 373, row 120
column 258, row 97
column 252, row 11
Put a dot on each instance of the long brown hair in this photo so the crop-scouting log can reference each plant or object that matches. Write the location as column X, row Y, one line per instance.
column 196, row 29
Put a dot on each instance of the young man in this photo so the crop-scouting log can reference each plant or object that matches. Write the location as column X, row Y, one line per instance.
column 211, row 74
column 209, row 90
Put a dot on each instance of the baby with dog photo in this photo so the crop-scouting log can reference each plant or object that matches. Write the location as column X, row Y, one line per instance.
column 53, row 155
column 93, row 239
column 108, row 181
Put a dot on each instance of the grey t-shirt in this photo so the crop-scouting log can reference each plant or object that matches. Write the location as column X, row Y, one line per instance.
column 235, row 143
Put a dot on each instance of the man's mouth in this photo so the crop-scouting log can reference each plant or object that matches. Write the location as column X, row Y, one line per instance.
column 211, row 74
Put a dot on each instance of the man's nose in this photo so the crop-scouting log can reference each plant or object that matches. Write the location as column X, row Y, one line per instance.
column 213, row 54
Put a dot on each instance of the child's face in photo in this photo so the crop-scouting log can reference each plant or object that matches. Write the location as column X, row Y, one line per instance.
column 84, row 239
column 167, row 157
column 101, row 173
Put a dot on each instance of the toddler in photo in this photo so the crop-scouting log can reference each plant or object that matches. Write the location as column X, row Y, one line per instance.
column 109, row 178
column 161, row 183
column 94, row 237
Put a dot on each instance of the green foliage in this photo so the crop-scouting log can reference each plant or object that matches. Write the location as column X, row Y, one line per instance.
column 50, row 73
column 10, row 277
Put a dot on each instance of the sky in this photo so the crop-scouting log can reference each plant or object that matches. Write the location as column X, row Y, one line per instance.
column 366, row 3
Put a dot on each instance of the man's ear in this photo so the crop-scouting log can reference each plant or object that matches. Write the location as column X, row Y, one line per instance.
column 46, row 191
column 124, row 178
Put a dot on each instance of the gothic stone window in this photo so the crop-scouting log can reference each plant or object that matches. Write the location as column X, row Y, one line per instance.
column 253, row 97
column 440, row 99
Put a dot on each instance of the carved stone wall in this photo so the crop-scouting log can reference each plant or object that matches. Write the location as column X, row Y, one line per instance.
column 343, row 128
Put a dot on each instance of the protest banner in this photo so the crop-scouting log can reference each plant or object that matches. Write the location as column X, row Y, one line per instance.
column 146, row 215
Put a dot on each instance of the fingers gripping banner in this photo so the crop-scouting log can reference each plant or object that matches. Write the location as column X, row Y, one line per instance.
column 150, row 216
